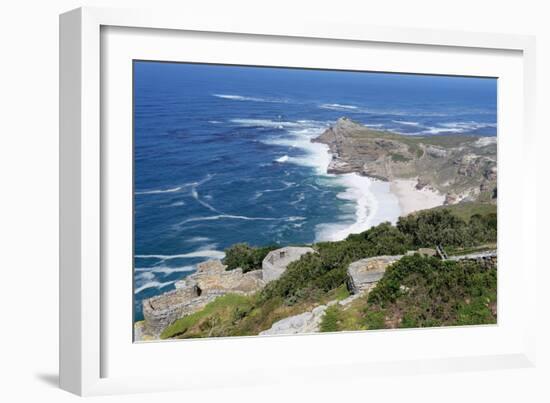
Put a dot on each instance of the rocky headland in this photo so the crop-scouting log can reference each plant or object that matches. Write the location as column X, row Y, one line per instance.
column 457, row 167
column 423, row 172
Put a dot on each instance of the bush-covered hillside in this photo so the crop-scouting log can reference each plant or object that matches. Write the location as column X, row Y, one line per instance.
column 246, row 257
column 414, row 292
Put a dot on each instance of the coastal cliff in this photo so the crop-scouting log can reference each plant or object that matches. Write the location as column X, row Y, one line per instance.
column 460, row 167
column 372, row 279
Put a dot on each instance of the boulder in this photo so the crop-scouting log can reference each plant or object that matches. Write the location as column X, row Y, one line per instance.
column 307, row 322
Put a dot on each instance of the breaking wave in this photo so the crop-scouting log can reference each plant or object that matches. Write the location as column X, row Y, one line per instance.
column 207, row 253
column 282, row 159
column 235, row 97
column 159, row 191
column 153, row 284
column 457, row 127
column 339, row 107
column 163, row 270
column 239, row 217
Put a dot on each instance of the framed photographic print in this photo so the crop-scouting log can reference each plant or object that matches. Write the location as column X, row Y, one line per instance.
column 247, row 195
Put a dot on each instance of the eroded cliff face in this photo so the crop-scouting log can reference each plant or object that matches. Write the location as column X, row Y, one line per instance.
column 462, row 167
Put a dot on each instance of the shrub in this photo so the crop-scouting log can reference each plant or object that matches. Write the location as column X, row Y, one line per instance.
column 330, row 320
column 440, row 226
column 325, row 270
column 374, row 319
column 424, row 291
column 246, row 257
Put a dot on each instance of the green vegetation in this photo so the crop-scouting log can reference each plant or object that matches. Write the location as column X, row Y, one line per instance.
column 352, row 317
column 399, row 157
column 246, row 257
column 315, row 274
column 416, row 291
column 446, row 140
column 424, row 291
column 434, row 227
column 213, row 319
column 466, row 210
column 331, row 319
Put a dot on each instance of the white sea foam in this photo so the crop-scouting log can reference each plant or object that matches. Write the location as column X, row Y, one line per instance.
column 457, row 127
column 195, row 195
column 158, row 191
column 359, row 189
column 196, row 239
column 268, row 123
column 235, row 97
column 238, row 217
column 208, row 253
column 316, row 154
column 176, row 188
column 338, row 107
column 285, row 187
column 406, row 123
column 374, row 204
column 177, row 204
column 485, row 141
column 152, row 284
column 227, row 216
column 299, row 135
column 301, row 197
column 148, row 272
column 284, row 158
column 144, row 275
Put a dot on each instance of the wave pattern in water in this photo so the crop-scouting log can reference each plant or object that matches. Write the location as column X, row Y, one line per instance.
column 229, row 150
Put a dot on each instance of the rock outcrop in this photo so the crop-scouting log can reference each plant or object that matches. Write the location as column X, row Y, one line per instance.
column 194, row 292
column 276, row 261
column 307, row 322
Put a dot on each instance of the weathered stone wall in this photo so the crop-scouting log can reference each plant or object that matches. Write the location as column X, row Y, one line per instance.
column 194, row 292
column 161, row 311
column 276, row 261
column 487, row 260
column 364, row 273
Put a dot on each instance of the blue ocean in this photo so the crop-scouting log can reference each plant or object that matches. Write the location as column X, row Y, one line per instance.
column 223, row 154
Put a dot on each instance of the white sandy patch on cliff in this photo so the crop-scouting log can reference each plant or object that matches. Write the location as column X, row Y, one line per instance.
column 411, row 199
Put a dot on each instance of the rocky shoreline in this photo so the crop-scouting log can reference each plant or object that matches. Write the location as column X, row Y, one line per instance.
column 443, row 169
column 423, row 172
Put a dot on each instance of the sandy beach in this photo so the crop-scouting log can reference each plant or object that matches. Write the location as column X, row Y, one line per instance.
column 412, row 199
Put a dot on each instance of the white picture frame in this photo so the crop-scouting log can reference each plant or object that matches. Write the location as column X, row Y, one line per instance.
column 86, row 346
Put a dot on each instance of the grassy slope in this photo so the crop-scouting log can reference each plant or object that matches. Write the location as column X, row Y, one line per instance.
column 237, row 315
column 466, row 210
